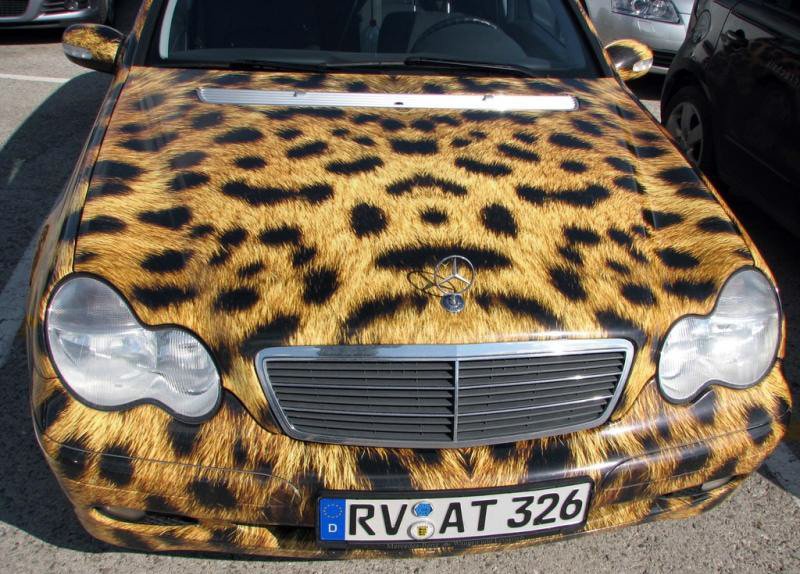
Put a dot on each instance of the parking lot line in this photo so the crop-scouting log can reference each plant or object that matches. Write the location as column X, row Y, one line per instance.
column 12, row 301
column 25, row 78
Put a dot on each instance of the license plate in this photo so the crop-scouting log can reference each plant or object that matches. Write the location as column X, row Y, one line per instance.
column 380, row 518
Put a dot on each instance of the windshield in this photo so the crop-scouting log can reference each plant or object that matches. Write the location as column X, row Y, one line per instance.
column 532, row 37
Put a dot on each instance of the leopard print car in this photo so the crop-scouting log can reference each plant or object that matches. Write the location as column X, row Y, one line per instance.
column 255, row 227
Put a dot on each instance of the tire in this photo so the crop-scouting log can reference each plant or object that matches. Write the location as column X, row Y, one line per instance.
column 106, row 13
column 687, row 116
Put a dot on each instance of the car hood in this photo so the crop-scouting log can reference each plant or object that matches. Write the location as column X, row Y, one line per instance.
column 259, row 226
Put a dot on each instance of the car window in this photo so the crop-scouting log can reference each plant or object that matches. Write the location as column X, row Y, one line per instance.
column 541, row 35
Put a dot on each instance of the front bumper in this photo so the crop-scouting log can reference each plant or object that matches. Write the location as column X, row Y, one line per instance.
column 231, row 486
column 41, row 13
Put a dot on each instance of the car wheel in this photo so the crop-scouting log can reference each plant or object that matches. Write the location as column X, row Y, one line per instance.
column 688, row 119
column 107, row 13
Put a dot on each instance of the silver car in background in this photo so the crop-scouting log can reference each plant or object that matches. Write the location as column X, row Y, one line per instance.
column 56, row 13
column 661, row 24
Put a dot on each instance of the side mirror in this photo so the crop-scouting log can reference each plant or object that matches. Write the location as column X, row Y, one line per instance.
column 630, row 58
column 92, row 46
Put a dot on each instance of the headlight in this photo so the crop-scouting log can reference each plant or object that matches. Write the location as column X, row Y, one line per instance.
column 110, row 361
column 660, row 10
column 735, row 345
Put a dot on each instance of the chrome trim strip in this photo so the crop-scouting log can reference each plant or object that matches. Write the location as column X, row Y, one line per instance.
column 490, row 102
column 454, row 353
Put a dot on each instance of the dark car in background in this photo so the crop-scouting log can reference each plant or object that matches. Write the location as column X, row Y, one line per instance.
column 18, row 13
column 732, row 100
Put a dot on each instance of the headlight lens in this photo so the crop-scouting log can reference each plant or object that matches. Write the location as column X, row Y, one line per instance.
column 660, row 10
column 735, row 345
column 111, row 361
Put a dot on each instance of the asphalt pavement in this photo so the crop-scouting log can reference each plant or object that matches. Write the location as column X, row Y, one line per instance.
column 47, row 107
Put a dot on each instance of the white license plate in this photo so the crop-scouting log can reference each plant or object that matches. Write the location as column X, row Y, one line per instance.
column 367, row 518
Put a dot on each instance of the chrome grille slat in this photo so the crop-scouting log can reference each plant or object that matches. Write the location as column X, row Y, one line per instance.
column 439, row 396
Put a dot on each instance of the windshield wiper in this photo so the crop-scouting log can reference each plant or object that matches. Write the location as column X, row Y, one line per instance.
column 253, row 64
column 511, row 69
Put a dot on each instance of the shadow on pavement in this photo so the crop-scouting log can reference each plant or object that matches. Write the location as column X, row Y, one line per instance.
column 35, row 164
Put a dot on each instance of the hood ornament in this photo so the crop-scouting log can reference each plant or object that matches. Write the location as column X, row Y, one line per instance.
column 454, row 276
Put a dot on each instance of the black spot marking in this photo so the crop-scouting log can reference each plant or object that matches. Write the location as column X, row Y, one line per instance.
column 459, row 143
column 207, row 120
column 281, row 235
column 303, row 255
column 498, row 219
column 250, row 162
column 133, row 128
column 621, row 165
column 320, row 285
column 638, row 294
column 233, row 237
column 620, row 268
column 618, row 326
column 525, row 137
column 51, row 408
column 433, row 216
column 392, row 125
column 72, row 458
column 418, row 257
column 588, row 197
column 199, row 231
column 425, row 180
column 149, row 102
column 366, row 219
column 256, row 195
column 188, row 180
column 107, row 189
column 517, row 152
column 661, row 219
column 581, row 235
column 693, row 290
column 250, row 270
column 275, row 333
column 425, row 126
column 187, row 160
column 357, row 87
column 568, row 282
column 156, row 503
column 716, row 225
column 362, row 165
column 431, row 88
column 310, row 149
column 173, row 218
column 620, row 237
column 677, row 259
column 649, row 152
column 160, row 297
column 695, row 192
column 548, row 461
column 493, row 169
column 233, row 79
column 289, row 134
column 369, row 312
column 414, row 147
column 316, row 193
column 574, row 166
column 587, row 127
column 233, row 300
column 116, row 466
column 705, row 408
column 529, row 308
column 239, row 136
column 692, row 459
column 384, row 470
column 102, row 224
column 340, row 132
column 183, row 437
column 365, row 141
column 290, row 113
column 629, row 184
column 569, row 141
column 212, row 493
column 167, row 261
column 571, row 254
column 149, row 145
column 679, row 175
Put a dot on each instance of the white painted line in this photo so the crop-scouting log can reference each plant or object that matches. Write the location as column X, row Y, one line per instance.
column 25, row 78
column 785, row 467
column 12, row 301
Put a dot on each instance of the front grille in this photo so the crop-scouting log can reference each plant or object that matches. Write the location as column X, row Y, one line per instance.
column 12, row 7
column 443, row 395
column 663, row 59
column 56, row 6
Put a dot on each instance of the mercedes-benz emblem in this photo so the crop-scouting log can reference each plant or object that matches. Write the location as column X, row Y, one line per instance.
column 454, row 276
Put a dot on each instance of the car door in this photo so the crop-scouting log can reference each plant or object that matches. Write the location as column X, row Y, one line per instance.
column 760, row 104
